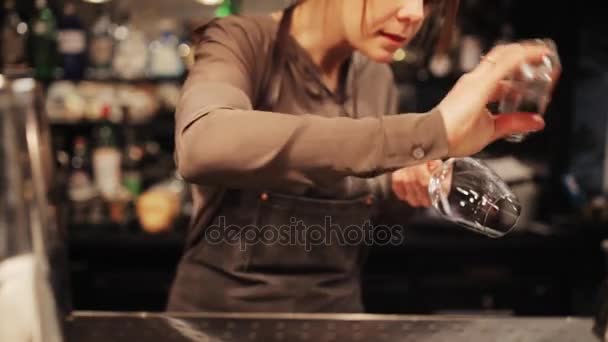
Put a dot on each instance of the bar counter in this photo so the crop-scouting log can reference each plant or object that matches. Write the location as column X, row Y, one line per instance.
column 152, row 327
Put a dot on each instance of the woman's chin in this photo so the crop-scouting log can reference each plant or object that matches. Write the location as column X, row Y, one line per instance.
column 380, row 55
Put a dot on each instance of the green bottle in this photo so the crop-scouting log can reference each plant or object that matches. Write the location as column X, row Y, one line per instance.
column 43, row 43
column 228, row 7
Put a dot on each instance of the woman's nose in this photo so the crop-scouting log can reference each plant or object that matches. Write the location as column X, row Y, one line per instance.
column 411, row 11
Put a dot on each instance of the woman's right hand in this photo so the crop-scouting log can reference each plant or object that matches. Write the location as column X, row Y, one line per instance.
column 469, row 125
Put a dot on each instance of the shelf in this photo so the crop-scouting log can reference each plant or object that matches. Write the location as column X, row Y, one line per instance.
column 113, row 80
column 115, row 236
column 164, row 115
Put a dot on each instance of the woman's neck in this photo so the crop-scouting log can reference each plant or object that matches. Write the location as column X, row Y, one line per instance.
column 322, row 36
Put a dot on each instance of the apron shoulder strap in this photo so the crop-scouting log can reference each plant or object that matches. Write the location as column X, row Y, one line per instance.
column 268, row 99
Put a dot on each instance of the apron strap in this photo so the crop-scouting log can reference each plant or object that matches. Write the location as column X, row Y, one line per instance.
column 269, row 99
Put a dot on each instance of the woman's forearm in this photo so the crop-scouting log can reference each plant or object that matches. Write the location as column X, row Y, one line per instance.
column 253, row 149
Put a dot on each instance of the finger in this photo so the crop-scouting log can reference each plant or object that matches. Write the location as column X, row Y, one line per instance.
column 422, row 195
column 419, row 192
column 506, row 124
column 412, row 198
column 399, row 191
column 433, row 165
column 427, row 200
column 402, row 189
column 396, row 186
column 512, row 56
column 424, row 180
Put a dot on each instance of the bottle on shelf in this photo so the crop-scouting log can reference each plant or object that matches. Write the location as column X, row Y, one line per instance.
column 165, row 60
column 107, row 158
column 81, row 190
column 14, row 39
column 72, row 43
column 158, row 208
column 133, row 154
column 80, row 162
column 131, row 56
column 101, row 49
column 43, row 43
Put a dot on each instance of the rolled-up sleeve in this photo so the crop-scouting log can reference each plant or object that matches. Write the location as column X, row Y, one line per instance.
column 222, row 140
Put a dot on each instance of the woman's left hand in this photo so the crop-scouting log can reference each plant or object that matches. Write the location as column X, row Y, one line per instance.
column 411, row 184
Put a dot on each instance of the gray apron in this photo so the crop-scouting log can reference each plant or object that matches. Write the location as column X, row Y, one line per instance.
column 267, row 252
column 270, row 252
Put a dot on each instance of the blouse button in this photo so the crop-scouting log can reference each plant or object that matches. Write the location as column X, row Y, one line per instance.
column 418, row 153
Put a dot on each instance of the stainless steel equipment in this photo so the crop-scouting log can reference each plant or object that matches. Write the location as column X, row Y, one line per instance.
column 101, row 327
column 28, row 234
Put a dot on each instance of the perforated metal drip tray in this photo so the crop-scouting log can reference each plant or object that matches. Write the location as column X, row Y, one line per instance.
column 140, row 327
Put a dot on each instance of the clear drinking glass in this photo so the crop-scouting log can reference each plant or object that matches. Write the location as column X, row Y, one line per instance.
column 469, row 193
column 532, row 85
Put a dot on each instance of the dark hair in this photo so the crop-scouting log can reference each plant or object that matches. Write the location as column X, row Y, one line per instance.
column 447, row 14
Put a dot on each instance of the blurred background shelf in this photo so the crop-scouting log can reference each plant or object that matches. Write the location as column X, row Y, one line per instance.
column 439, row 268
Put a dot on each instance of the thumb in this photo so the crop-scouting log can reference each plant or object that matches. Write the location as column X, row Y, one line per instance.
column 506, row 124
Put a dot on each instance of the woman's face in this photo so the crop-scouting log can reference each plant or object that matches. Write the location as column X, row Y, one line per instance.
column 386, row 26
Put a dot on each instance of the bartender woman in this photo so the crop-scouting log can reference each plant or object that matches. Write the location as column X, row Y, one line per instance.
column 282, row 128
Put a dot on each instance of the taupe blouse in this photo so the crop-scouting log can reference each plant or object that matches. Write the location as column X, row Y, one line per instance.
column 312, row 142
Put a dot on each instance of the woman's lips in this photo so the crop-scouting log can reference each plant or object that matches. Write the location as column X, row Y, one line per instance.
column 394, row 38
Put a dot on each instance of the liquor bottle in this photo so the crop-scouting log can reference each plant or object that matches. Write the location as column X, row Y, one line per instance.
column 43, row 43
column 81, row 190
column 131, row 55
column 107, row 158
column 14, row 38
column 80, row 161
column 133, row 154
column 101, row 49
column 165, row 60
column 72, row 44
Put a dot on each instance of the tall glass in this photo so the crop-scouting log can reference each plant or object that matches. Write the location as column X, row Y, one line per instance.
column 530, row 88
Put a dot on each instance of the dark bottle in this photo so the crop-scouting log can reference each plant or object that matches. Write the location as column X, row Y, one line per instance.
column 101, row 49
column 72, row 44
column 132, row 159
column 81, row 190
column 43, row 43
column 14, row 38
column 80, row 158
